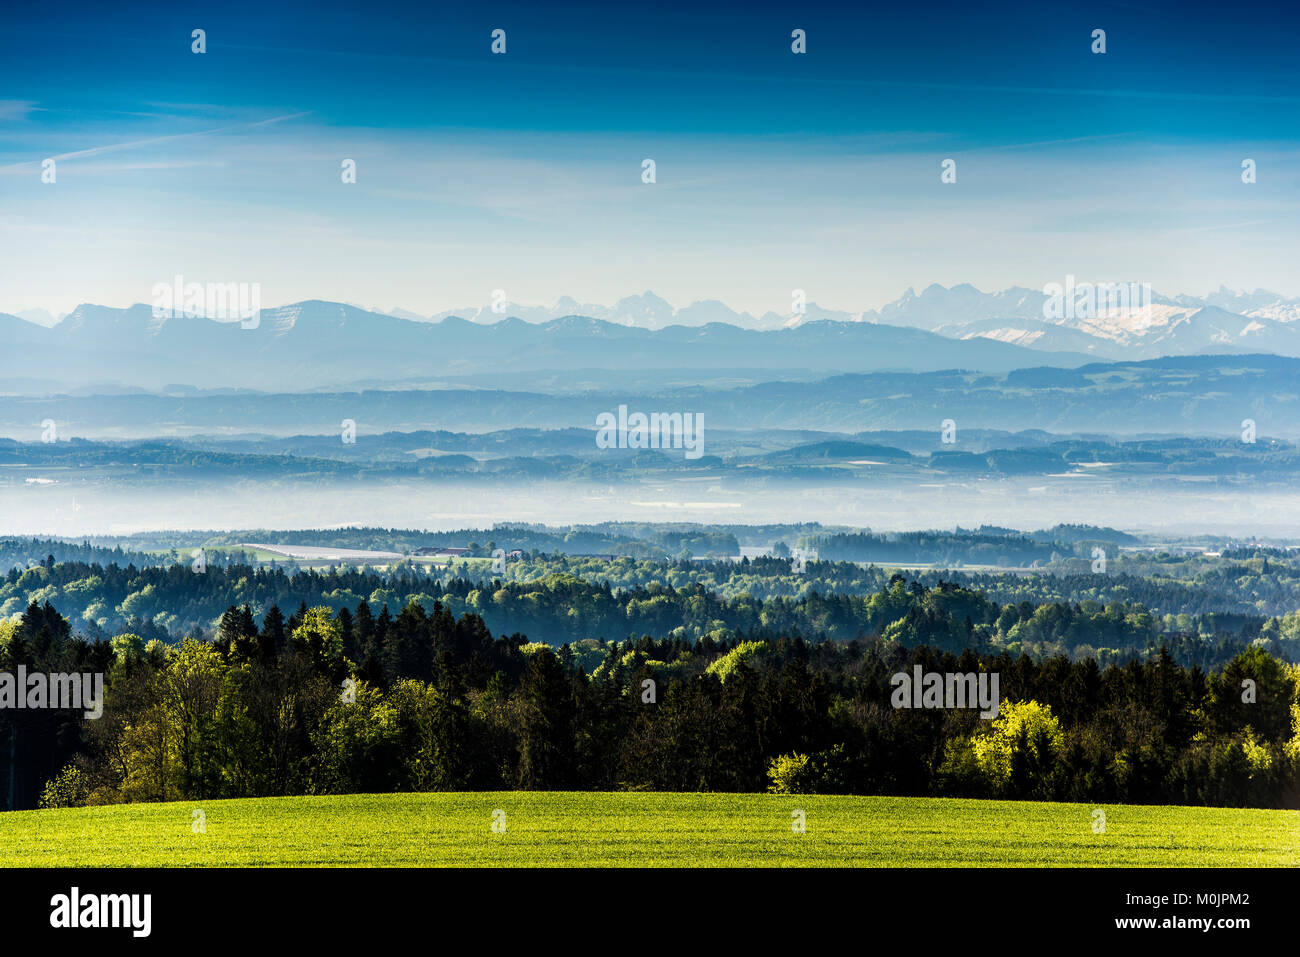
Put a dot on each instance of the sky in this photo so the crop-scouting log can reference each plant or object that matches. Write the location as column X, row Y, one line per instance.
column 522, row 171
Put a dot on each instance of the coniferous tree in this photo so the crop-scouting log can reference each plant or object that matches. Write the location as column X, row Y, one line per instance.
column 274, row 637
column 546, row 724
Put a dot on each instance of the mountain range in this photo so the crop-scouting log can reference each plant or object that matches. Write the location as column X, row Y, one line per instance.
column 646, row 311
column 316, row 345
column 1226, row 321
column 325, row 345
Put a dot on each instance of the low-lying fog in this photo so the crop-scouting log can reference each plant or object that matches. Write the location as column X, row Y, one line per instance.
column 101, row 508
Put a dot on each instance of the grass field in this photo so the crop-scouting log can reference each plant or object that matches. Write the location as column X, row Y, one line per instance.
column 644, row 829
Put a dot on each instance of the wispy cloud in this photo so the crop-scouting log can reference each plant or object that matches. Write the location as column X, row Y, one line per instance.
column 1209, row 229
column 154, row 140
column 16, row 109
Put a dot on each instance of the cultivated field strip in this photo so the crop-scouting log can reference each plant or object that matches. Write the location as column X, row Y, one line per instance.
column 644, row 829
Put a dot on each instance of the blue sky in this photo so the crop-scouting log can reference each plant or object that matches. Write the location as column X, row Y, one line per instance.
column 522, row 172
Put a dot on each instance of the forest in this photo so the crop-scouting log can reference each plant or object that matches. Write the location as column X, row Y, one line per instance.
column 355, row 700
column 557, row 599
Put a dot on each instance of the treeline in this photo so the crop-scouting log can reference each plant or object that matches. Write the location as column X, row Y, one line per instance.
column 1250, row 590
column 1199, row 594
column 353, row 701
column 614, row 538
column 1254, row 588
column 945, row 548
column 23, row 553
column 171, row 601
column 643, row 539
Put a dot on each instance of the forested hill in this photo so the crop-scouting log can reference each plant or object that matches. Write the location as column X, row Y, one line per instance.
column 354, row 702
column 561, row 607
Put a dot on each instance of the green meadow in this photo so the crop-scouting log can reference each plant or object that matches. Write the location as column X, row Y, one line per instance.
column 644, row 829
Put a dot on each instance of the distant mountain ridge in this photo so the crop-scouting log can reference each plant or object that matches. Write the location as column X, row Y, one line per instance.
column 644, row 311
column 1226, row 321
column 313, row 345
column 316, row 344
column 935, row 308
